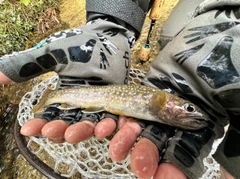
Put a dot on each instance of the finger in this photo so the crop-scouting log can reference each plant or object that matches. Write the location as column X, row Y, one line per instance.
column 124, row 140
column 144, row 159
column 79, row 132
column 33, row 127
column 104, row 128
column 55, row 130
column 121, row 121
column 169, row 171
column 225, row 174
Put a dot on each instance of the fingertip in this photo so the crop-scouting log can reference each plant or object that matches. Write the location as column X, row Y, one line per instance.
column 79, row 132
column 104, row 128
column 55, row 130
column 144, row 159
column 33, row 127
column 123, row 141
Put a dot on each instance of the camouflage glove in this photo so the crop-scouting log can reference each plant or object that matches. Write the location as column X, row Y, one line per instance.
column 185, row 149
column 99, row 50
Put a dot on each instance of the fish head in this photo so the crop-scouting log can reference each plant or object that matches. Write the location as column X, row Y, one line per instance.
column 184, row 114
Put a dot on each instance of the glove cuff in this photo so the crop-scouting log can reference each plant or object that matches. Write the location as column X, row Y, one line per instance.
column 125, row 10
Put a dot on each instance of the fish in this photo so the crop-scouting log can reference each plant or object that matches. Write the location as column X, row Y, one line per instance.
column 135, row 101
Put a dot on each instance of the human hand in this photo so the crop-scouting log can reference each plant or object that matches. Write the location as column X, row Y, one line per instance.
column 182, row 150
column 99, row 50
column 120, row 145
column 145, row 154
column 144, row 163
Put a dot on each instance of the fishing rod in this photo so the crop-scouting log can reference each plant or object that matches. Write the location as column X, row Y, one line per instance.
column 153, row 15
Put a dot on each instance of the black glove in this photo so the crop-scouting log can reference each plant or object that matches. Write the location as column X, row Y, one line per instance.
column 73, row 116
column 228, row 152
column 185, row 149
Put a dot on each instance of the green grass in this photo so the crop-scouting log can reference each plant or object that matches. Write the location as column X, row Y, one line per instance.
column 18, row 22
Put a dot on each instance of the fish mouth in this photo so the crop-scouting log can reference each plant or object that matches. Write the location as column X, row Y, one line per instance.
column 195, row 116
column 199, row 120
column 194, row 123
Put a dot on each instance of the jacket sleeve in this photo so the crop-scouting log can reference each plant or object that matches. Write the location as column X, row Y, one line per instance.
column 228, row 152
column 131, row 12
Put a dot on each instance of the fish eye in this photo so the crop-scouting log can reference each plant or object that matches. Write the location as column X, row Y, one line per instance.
column 189, row 107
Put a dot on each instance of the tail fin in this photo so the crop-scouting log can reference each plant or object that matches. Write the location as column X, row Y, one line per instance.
column 42, row 102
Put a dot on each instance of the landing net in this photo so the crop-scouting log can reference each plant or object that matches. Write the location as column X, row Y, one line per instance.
column 88, row 159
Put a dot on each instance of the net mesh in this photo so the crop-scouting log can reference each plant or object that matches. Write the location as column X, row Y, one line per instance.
column 90, row 158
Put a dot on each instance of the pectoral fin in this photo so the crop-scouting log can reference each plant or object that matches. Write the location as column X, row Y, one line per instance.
column 65, row 106
column 93, row 110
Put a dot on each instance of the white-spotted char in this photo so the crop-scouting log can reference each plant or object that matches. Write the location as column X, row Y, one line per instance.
column 140, row 102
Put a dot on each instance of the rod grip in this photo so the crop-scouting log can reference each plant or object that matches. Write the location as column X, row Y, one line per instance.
column 155, row 11
column 145, row 52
